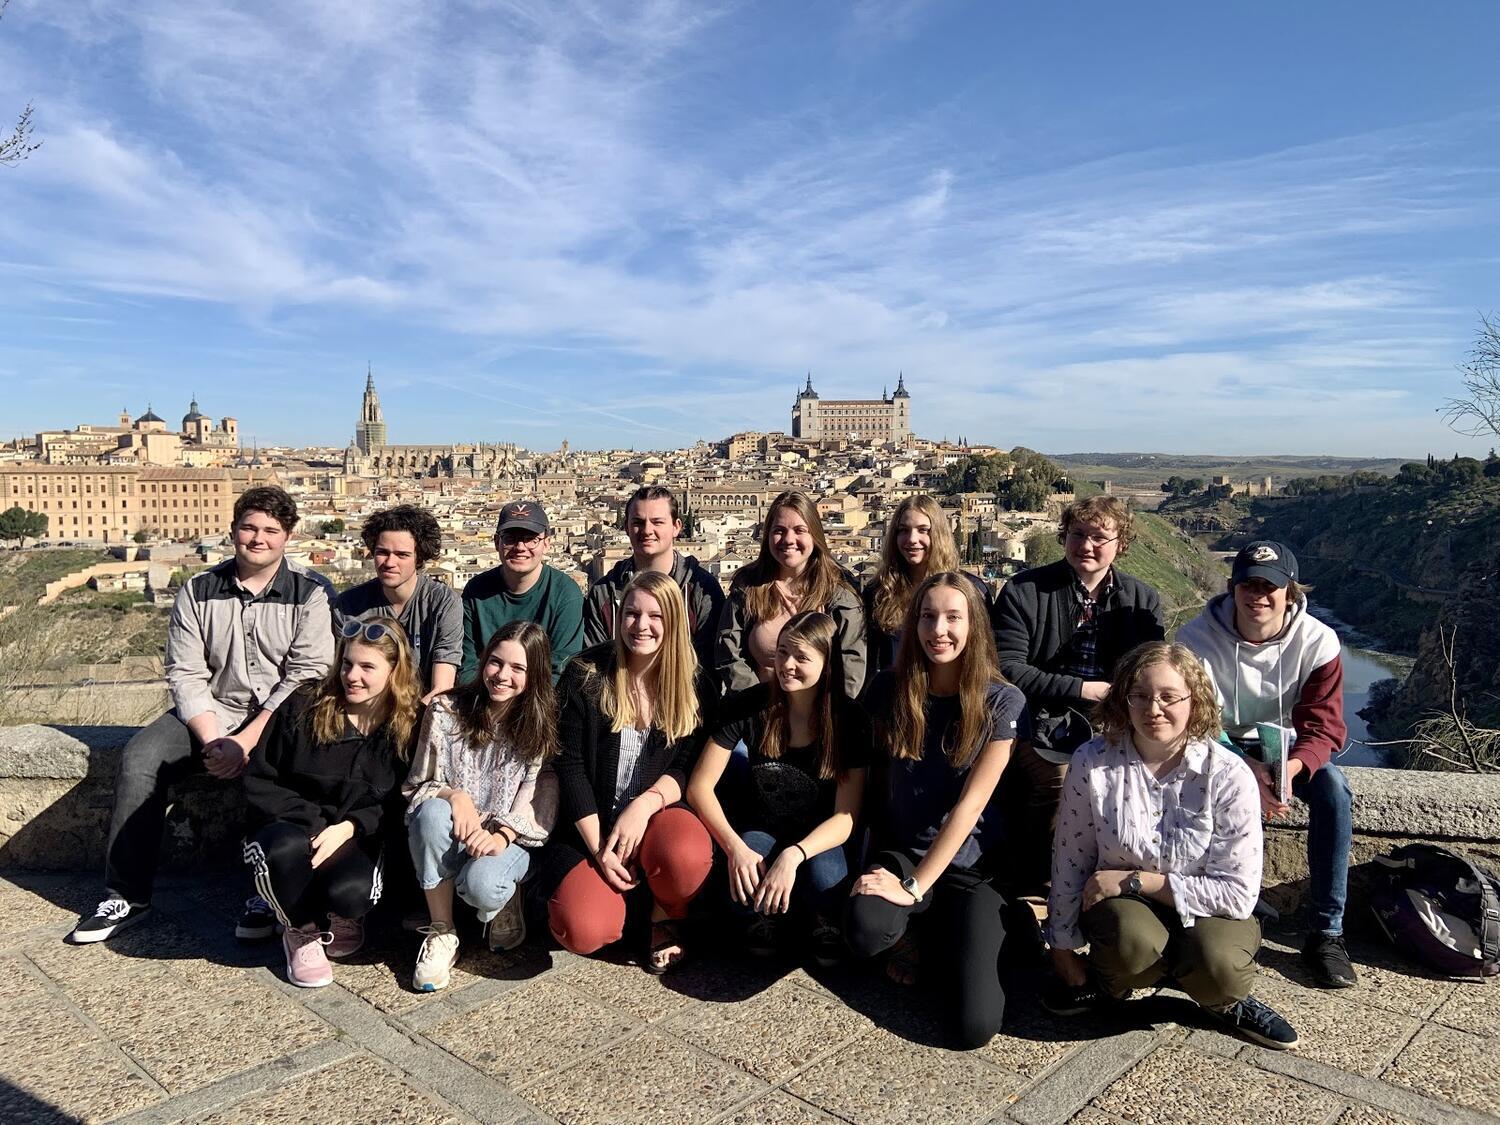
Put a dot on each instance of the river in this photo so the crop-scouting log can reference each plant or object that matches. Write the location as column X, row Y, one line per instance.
column 1364, row 666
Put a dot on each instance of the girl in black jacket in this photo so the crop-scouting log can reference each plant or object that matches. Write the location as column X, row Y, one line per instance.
column 316, row 785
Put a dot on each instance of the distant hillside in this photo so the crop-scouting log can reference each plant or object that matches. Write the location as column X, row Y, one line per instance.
column 1152, row 468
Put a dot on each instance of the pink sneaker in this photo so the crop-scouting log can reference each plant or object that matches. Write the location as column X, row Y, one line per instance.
column 348, row 936
column 306, row 964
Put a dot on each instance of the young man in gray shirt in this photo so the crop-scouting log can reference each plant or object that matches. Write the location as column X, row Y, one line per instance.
column 402, row 541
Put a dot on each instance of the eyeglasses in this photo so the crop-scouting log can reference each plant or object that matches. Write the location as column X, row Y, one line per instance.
column 371, row 631
column 1165, row 702
column 1081, row 537
column 518, row 537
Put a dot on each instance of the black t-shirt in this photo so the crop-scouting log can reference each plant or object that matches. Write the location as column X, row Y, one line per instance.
column 920, row 794
column 785, row 796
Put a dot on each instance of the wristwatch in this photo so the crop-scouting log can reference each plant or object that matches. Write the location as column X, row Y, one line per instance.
column 1132, row 885
column 909, row 885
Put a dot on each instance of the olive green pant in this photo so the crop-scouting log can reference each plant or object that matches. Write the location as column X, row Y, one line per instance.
column 1135, row 942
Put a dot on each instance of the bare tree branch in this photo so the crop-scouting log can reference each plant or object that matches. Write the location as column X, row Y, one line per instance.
column 1477, row 411
column 19, row 145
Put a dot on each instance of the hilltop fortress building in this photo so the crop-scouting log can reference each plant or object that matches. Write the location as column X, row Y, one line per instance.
column 882, row 420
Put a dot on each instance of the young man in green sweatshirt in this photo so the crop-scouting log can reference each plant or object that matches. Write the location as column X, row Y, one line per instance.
column 522, row 588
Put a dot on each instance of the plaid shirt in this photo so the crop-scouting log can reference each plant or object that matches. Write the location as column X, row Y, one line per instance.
column 1083, row 648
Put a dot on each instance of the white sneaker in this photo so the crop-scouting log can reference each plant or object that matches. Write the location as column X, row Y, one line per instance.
column 507, row 930
column 435, row 961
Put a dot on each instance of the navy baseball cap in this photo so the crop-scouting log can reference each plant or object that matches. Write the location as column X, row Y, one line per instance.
column 1267, row 559
column 525, row 514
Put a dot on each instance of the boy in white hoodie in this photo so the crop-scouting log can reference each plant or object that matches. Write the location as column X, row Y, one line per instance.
column 1273, row 662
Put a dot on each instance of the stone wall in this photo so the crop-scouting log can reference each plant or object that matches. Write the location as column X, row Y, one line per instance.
column 56, row 789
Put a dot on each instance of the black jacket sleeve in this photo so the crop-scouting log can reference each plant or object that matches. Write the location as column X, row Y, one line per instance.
column 577, row 723
column 1018, row 623
column 270, row 791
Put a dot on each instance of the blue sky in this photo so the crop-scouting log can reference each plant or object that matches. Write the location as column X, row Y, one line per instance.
column 1095, row 226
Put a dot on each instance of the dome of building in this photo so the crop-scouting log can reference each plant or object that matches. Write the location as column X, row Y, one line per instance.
column 150, row 416
column 193, row 415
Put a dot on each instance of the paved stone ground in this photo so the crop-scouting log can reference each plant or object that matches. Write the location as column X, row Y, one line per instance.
column 175, row 1021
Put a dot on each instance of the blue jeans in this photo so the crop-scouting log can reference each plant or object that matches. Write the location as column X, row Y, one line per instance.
column 1330, row 832
column 486, row 883
column 820, row 881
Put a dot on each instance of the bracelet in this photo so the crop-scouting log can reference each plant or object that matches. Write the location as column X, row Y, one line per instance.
column 659, row 795
column 801, row 849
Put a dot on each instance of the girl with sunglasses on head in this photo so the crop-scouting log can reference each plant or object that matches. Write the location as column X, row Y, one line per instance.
column 947, row 722
column 316, row 786
column 784, row 836
column 794, row 573
column 1157, row 860
column 631, row 725
column 918, row 542
column 483, row 796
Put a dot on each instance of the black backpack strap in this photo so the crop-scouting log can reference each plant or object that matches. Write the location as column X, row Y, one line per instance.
column 1489, row 906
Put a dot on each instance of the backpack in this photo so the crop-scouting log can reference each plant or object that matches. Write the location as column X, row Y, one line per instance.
column 1439, row 909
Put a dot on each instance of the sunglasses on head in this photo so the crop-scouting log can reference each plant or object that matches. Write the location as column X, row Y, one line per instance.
column 371, row 631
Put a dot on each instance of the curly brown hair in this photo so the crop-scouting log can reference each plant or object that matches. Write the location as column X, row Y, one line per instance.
column 419, row 523
column 1096, row 510
column 1112, row 714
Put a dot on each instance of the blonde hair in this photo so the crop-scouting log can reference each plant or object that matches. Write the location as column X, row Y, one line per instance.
column 907, row 727
column 399, row 703
column 670, row 679
column 818, row 580
column 893, row 582
column 1112, row 713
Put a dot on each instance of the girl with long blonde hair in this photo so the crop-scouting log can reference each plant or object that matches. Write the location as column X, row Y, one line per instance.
column 947, row 722
column 632, row 716
column 794, row 573
column 316, row 787
column 918, row 542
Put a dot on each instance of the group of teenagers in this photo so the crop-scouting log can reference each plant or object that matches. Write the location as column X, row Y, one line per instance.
column 802, row 767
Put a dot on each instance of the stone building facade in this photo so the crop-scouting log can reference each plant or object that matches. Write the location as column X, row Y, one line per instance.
column 886, row 419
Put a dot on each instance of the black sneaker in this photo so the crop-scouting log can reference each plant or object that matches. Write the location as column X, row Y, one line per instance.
column 826, row 944
column 257, row 923
column 1328, row 961
column 1063, row 999
column 108, row 918
column 761, row 937
column 1260, row 1023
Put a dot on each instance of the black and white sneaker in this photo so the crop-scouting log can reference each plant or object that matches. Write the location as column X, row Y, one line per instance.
column 108, row 918
column 257, row 923
column 1327, row 961
column 1063, row 999
column 1260, row 1023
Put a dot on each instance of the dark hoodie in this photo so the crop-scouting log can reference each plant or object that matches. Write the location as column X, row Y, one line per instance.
column 700, row 590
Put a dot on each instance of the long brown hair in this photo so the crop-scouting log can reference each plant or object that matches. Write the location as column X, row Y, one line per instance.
column 978, row 669
column 893, row 582
column 399, row 703
column 817, row 631
column 818, row 580
column 1112, row 713
column 671, row 677
column 527, row 723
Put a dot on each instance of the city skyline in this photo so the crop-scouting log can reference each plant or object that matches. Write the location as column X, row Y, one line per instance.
column 1193, row 231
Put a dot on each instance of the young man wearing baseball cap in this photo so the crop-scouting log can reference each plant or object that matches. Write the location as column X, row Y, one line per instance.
column 522, row 588
column 1274, row 663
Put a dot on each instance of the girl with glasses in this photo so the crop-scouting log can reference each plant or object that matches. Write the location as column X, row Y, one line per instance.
column 632, row 716
column 794, row 573
column 1157, row 859
column 784, row 832
column 316, row 785
column 482, row 796
column 947, row 721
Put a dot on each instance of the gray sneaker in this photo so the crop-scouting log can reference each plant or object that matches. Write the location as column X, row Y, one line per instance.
column 507, row 930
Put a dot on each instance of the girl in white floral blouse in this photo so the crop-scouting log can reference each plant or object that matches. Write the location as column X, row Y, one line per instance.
column 1157, row 859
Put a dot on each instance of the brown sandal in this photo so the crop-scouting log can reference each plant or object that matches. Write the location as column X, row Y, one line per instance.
column 903, row 962
column 666, row 935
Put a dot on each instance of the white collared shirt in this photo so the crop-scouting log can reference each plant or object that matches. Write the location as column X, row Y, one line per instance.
column 1200, row 826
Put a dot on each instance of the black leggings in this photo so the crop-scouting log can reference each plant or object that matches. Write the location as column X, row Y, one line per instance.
column 961, row 939
column 347, row 883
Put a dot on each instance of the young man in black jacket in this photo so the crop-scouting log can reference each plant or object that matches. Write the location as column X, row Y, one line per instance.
column 1059, row 631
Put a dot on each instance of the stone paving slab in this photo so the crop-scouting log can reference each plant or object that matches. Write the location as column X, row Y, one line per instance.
column 175, row 1021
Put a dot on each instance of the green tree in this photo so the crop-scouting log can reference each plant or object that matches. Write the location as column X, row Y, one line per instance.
column 331, row 527
column 20, row 525
column 141, row 536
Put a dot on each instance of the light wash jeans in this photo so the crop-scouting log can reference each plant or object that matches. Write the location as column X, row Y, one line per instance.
column 486, row 883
